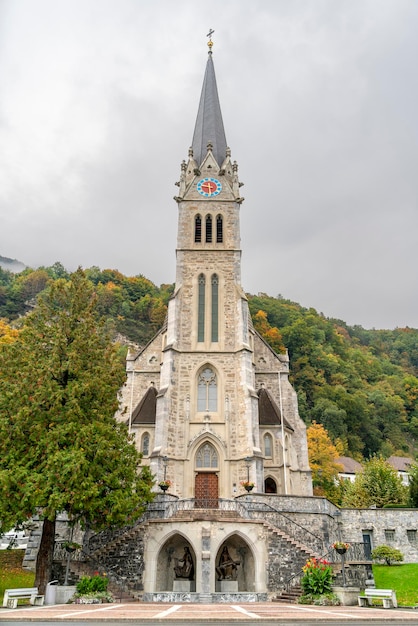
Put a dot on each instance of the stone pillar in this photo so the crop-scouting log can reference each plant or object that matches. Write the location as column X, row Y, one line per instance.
column 205, row 586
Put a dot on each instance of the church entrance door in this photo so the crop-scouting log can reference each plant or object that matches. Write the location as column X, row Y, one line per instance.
column 206, row 490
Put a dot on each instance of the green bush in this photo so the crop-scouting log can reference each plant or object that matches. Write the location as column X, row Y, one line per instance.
column 317, row 579
column 92, row 584
column 387, row 554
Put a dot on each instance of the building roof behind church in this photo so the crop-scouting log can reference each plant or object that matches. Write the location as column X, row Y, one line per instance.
column 350, row 466
column 209, row 126
column 401, row 463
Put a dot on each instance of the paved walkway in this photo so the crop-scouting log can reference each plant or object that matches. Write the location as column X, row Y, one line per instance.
column 239, row 614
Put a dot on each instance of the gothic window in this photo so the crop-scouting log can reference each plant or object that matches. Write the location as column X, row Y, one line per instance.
column 208, row 229
column 207, row 391
column 219, row 229
column 215, row 285
column 201, row 309
column 268, row 445
column 206, row 456
column 270, row 486
column 198, row 229
column 145, row 444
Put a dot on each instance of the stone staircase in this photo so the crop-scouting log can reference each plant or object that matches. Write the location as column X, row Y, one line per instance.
column 289, row 596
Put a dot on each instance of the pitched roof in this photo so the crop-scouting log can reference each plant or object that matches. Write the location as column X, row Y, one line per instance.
column 209, row 125
column 268, row 411
column 351, row 466
column 145, row 411
column 400, row 463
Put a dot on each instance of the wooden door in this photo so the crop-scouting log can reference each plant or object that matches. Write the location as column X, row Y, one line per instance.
column 206, row 490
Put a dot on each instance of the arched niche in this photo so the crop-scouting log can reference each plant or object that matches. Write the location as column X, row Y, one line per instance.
column 241, row 553
column 168, row 557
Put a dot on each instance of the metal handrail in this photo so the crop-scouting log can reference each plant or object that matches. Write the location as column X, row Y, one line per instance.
column 353, row 554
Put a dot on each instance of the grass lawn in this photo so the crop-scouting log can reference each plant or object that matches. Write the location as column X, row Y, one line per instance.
column 12, row 576
column 401, row 578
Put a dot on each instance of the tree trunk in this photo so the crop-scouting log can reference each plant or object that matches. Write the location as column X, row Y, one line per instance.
column 45, row 556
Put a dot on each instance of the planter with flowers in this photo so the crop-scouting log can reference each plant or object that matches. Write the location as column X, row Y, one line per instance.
column 248, row 485
column 92, row 590
column 341, row 547
column 164, row 485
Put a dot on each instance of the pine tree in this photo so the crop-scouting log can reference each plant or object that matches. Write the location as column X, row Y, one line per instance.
column 61, row 449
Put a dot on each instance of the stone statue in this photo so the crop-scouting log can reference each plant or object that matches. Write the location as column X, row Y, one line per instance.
column 184, row 566
column 227, row 568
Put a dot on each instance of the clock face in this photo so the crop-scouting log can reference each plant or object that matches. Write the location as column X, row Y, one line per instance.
column 209, row 187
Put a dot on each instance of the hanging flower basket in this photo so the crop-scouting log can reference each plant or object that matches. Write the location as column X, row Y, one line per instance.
column 71, row 546
column 341, row 547
column 248, row 486
column 164, row 485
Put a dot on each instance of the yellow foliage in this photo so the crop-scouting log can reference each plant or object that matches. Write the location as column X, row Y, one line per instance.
column 7, row 333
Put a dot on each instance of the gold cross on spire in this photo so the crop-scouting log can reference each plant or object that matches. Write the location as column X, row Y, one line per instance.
column 210, row 42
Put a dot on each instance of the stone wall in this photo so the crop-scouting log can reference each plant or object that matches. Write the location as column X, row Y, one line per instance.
column 393, row 527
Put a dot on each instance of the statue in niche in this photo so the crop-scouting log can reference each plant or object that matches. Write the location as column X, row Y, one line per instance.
column 227, row 568
column 184, row 566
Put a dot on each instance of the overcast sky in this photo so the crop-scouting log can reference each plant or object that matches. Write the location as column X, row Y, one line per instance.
column 98, row 100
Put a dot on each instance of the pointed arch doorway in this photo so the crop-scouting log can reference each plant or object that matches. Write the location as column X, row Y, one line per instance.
column 206, row 486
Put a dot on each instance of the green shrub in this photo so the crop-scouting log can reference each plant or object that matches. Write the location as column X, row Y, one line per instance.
column 326, row 599
column 92, row 584
column 387, row 554
column 317, row 578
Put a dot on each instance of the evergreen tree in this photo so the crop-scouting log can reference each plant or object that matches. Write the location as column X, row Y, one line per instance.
column 60, row 447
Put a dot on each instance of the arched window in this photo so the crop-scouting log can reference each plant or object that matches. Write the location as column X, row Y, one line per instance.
column 268, row 445
column 270, row 486
column 215, row 290
column 201, row 309
column 219, row 229
column 145, row 444
column 198, row 229
column 206, row 456
column 207, row 391
column 208, row 229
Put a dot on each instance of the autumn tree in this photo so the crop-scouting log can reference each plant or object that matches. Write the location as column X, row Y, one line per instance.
column 378, row 484
column 61, row 449
column 7, row 334
column 270, row 333
column 322, row 460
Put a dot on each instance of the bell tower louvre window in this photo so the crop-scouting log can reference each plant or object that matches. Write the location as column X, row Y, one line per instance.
column 208, row 229
column 201, row 309
column 197, row 229
column 219, row 229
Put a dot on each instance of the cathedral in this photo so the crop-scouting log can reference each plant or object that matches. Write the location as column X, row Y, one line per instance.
column 209, row 402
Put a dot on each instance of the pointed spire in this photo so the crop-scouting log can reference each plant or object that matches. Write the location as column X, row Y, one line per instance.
column 209, row 126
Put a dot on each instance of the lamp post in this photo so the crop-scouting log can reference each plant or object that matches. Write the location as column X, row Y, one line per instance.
column 165, row 462
column 248, row 462
column 340, row 551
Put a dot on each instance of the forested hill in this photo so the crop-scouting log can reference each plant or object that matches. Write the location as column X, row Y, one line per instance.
column 360, row 384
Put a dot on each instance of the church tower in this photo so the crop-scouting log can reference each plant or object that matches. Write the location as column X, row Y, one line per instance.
column 208, row 400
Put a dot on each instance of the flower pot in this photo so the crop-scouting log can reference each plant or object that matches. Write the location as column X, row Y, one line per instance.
column 163, row 487
column 248, row 488
column 341, row 550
